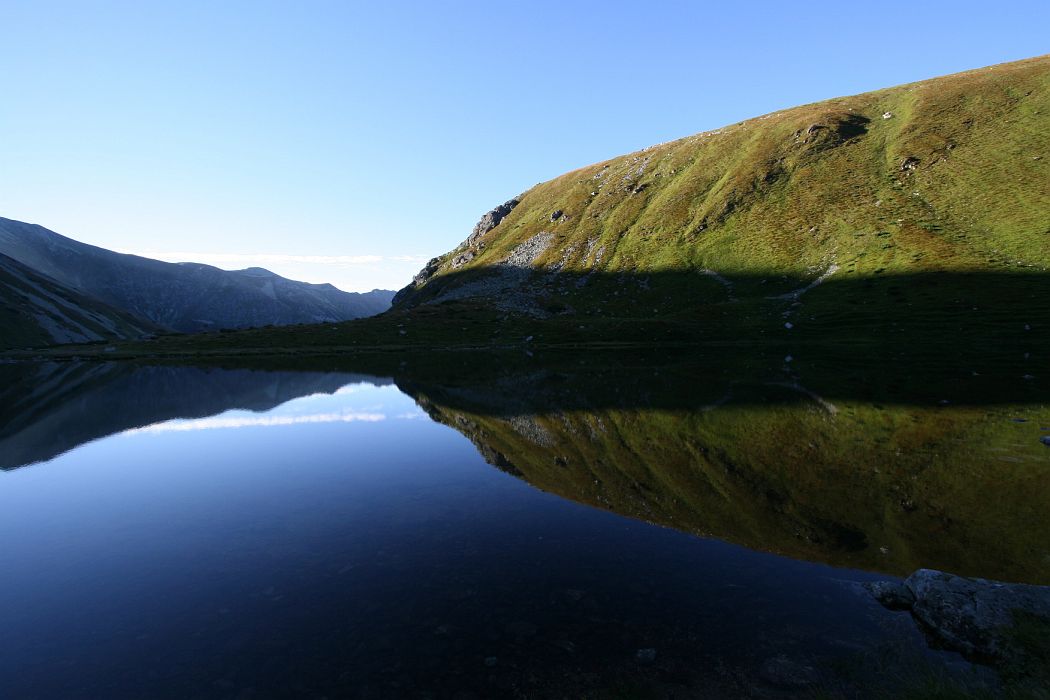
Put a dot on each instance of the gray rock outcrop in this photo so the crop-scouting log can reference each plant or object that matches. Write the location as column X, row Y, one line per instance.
column 970, row 615
column 491, row 220
column 462, row 254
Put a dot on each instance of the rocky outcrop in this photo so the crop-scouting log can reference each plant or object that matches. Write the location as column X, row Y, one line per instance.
column 420, row 278
column 462, row 259
column 506, row 283
column 461, row 255
column 972, row 616
column 490, row 220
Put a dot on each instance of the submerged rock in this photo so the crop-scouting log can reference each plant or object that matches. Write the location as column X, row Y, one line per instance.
column 973, row 616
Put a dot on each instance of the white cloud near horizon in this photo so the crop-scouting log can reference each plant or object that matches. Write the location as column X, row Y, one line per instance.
column 228, row 422
column 278, row 258
column 351, row 273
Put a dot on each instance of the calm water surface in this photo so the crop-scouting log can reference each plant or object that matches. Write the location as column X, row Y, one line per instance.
column 337, row 537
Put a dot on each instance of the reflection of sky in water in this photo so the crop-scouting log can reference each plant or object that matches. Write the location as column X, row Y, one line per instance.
column 350, row 404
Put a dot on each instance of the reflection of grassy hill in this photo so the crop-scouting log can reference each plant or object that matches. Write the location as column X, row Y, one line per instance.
column 771, row 465
column 955, row 492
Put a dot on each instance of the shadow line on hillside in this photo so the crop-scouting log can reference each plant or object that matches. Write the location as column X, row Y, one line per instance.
column 827, row 303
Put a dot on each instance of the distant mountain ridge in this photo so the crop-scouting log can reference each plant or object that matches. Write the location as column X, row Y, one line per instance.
column 184, row 297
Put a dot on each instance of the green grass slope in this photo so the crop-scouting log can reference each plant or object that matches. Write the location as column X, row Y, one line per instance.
column 949, row 175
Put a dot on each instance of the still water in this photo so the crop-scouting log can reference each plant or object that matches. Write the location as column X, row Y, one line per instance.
column 184, row 532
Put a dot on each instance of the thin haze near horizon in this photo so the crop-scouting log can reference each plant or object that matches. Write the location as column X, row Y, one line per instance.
column 348, row 142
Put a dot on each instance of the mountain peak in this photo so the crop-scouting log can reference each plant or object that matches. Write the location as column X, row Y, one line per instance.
column 257, row 272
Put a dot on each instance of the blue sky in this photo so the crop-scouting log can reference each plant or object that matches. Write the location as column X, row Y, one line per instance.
column 348, row 142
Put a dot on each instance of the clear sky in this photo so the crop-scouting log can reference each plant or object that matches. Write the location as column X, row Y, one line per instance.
column 349, row 142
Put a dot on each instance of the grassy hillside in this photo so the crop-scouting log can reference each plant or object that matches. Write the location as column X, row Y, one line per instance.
column 911, row 216
column 949, row 174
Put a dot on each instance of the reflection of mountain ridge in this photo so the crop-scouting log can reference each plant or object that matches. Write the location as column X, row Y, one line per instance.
column 50, row 408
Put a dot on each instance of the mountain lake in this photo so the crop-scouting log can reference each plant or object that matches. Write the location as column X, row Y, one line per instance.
column 621, row 527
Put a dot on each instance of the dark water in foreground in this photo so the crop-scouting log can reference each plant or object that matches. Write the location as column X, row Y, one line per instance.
column 280, row 534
